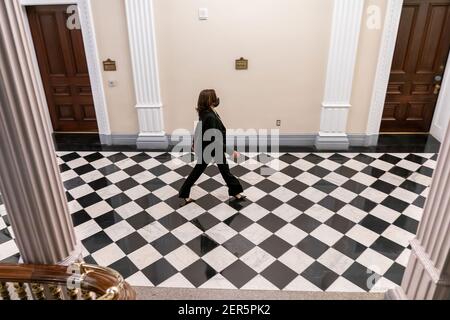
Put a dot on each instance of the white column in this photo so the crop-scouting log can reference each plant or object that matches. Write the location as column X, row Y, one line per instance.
column 427, row 275
column 149, row 107
column 30, row 181
column 345, row 32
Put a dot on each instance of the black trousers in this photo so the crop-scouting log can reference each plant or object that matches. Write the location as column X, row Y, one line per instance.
column 234, row 186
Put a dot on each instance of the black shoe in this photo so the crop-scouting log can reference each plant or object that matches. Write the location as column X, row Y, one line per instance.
column 186, row 202
column 240, row 197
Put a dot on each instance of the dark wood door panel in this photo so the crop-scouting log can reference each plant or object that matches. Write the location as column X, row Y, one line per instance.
column 64, row 70
column 420, row 58
column 405, row 38
column 80, row 63
column 435, row 40
column 416, row 114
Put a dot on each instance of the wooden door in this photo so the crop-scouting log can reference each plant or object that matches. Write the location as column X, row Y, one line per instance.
column 64, row 71
column 418, row 67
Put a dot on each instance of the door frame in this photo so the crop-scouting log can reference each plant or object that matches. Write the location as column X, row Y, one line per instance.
column 385, row 59
column 442, row 113
column 91, row 51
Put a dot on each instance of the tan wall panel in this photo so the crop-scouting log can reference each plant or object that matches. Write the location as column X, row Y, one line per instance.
column 286, row 42
column 112, row 41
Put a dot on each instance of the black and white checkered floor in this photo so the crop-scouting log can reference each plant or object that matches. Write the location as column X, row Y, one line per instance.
column 332, row 222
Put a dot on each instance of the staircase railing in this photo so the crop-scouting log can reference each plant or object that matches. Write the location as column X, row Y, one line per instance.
column 53, row 282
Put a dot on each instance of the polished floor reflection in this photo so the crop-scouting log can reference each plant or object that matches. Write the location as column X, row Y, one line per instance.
column 318, row 222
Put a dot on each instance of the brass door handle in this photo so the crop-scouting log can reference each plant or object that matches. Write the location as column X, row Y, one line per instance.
column 437, row 88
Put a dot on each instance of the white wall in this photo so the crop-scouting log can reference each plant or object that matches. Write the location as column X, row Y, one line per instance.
column 286, row 42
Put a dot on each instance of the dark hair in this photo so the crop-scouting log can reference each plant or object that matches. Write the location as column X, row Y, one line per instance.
column 207, row 99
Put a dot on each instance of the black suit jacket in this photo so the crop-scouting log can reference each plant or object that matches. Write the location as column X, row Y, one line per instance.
column 210, row 120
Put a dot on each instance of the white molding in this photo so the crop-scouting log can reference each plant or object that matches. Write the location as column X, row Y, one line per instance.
column 442, row 114
column 141, row 30
column 334, row 120
column 346, row 28
column 386, row 55
column 149, row 106
column 91, row 50
column 336, row 105
column 90, row 44
column 150, row 121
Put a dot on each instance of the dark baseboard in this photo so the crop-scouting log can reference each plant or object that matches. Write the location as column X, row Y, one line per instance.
column 389, row 143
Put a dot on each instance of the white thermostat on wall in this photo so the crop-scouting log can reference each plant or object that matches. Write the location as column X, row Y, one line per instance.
column 203, row 13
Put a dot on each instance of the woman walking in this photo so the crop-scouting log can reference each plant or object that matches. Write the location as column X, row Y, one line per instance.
column 211, row 130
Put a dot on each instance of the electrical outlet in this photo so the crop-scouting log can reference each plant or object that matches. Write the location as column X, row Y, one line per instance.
column 278, row 123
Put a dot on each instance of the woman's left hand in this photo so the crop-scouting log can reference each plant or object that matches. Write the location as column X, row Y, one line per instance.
column 236, row 155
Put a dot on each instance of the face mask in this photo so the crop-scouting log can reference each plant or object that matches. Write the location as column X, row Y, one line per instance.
column 217, row 103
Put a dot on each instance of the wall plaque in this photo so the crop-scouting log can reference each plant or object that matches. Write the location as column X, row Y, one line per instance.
column 241, row 64
column 109, row 65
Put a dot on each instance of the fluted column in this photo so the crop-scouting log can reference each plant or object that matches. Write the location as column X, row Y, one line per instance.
column 346, row 26
column 427, row 275
column 141, row 32
column 29, row 178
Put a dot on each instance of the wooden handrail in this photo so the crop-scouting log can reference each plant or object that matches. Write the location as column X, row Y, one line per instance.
column 106, row 283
